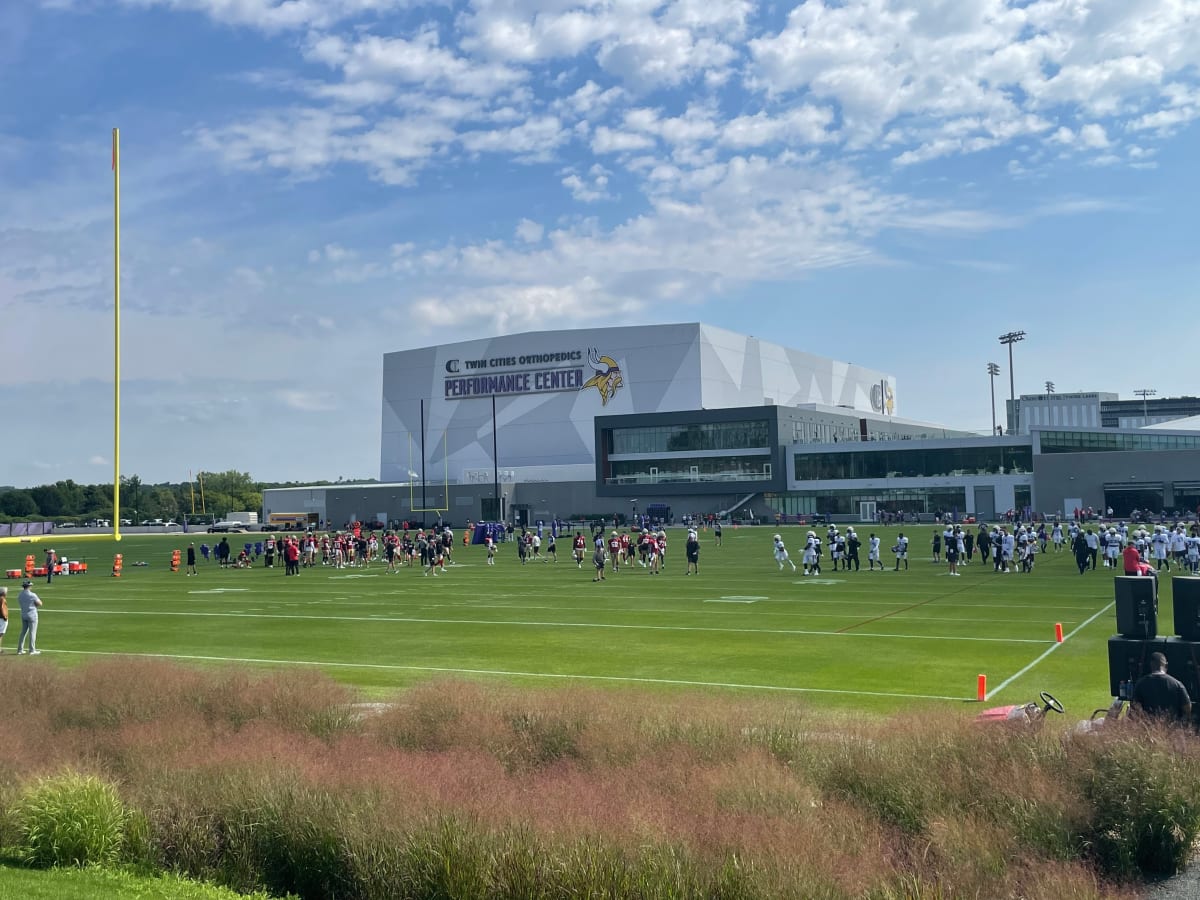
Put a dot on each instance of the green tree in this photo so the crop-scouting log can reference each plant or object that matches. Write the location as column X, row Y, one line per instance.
column 98, row 500
column 164, row 502
column 48, row 499
column 17, row 503
column 131, row 495
column 71, row 496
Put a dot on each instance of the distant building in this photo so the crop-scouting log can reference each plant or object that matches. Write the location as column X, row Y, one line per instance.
column 674, row 420
column 1156, row 410
column 1095, row 409
column 1080, row 410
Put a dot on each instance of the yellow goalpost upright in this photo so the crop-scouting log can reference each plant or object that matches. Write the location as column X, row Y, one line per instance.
column 116, row 514
column 412, row 501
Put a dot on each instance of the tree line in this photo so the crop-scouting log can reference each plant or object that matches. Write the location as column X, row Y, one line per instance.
column 212, row 494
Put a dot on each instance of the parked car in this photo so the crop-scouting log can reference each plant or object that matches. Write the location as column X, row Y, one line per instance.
column 226, row 528
column 65, row 525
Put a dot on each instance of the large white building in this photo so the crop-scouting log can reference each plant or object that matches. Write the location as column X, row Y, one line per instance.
column 607, row 422
column 547, row 388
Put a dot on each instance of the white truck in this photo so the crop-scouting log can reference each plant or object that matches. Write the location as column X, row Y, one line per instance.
column 246, row 518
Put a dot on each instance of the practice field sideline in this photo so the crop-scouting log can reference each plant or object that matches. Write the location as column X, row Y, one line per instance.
column 875, row 640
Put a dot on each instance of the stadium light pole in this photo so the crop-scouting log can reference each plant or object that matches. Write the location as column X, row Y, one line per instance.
column 993, row 371
column 1144, row 393
column 1011, row 338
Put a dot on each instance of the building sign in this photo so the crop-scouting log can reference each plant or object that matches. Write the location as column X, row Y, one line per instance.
column 883, row 400
column 537, row 373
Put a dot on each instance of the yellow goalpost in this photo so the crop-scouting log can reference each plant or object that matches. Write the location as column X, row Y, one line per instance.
column 412, row 503
column 116, row 513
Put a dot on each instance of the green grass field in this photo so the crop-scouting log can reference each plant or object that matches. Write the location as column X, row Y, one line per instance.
column 867, row 640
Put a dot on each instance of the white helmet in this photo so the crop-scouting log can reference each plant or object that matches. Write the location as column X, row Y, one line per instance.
column 778, row 538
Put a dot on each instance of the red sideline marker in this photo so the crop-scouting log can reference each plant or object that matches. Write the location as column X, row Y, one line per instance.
column 981, row 689
column 1058, row 636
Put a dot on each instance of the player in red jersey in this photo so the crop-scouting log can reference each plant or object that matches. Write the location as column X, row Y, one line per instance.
column 614, row 551
column 578, row 549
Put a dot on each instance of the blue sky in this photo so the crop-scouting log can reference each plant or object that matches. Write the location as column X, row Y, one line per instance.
column 310, row 184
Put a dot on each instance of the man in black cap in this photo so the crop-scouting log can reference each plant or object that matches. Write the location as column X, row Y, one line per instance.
column 1160, row 695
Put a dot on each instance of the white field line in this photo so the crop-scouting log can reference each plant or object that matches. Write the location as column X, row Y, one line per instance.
column 1053, row 647
column 758, row 613
column 842, row 603
column 524, row 624
column 507, row 674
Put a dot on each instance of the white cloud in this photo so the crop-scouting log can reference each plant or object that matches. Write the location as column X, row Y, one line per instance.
column 588, row 188
column 309, row 401
column 608, row 140
column 1093, row 137
column 917, row 71
column 277, row 15
column 529, row 232
column 534, row 139
column 419, row 60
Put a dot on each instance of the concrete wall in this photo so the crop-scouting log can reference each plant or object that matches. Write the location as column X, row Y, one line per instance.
column 1060, row 476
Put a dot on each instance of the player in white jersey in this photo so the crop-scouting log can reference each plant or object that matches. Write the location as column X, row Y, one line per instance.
column 1192, row 544
column 1160, row 545
column 901, row 551
column 1056, row 536
column 1112, row 548
column 1178, row 544
column 1008, row 544
column 873, row 553
column 810, row 559
column 781, row 554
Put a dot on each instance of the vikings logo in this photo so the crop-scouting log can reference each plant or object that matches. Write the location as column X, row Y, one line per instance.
column 607, row 378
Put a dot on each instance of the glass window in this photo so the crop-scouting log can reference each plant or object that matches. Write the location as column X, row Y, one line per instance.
column 690, row 469
column 892, row 500
column 915, row 462
column 690, row 438
column 1109, row 442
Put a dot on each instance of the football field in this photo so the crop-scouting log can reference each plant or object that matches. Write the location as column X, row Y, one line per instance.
column 881, row 641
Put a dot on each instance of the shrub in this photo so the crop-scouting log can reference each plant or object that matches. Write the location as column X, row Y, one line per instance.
column 540, row 739
column 1146, row 802
column 71, row 820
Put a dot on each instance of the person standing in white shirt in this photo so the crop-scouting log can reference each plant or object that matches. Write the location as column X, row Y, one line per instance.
column 873, row 553
column 30, row 604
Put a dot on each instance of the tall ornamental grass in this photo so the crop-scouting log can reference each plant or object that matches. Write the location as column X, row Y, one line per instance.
column 454, row 789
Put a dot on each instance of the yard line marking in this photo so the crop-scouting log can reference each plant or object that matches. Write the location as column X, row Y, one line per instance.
column 1053, row 647
column 523, row 624
column 504, row 673
column 905, row 609
column 422, row 599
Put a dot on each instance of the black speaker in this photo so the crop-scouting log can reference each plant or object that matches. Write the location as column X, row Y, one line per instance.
column 1137, row 606
column 1185, row 592
column 1129, row 660
column 1183, row 662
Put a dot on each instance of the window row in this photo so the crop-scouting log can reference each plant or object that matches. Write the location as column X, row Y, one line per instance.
column 689, row 438
column 914, row 463
column 1101, row 441
column 709, row 469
